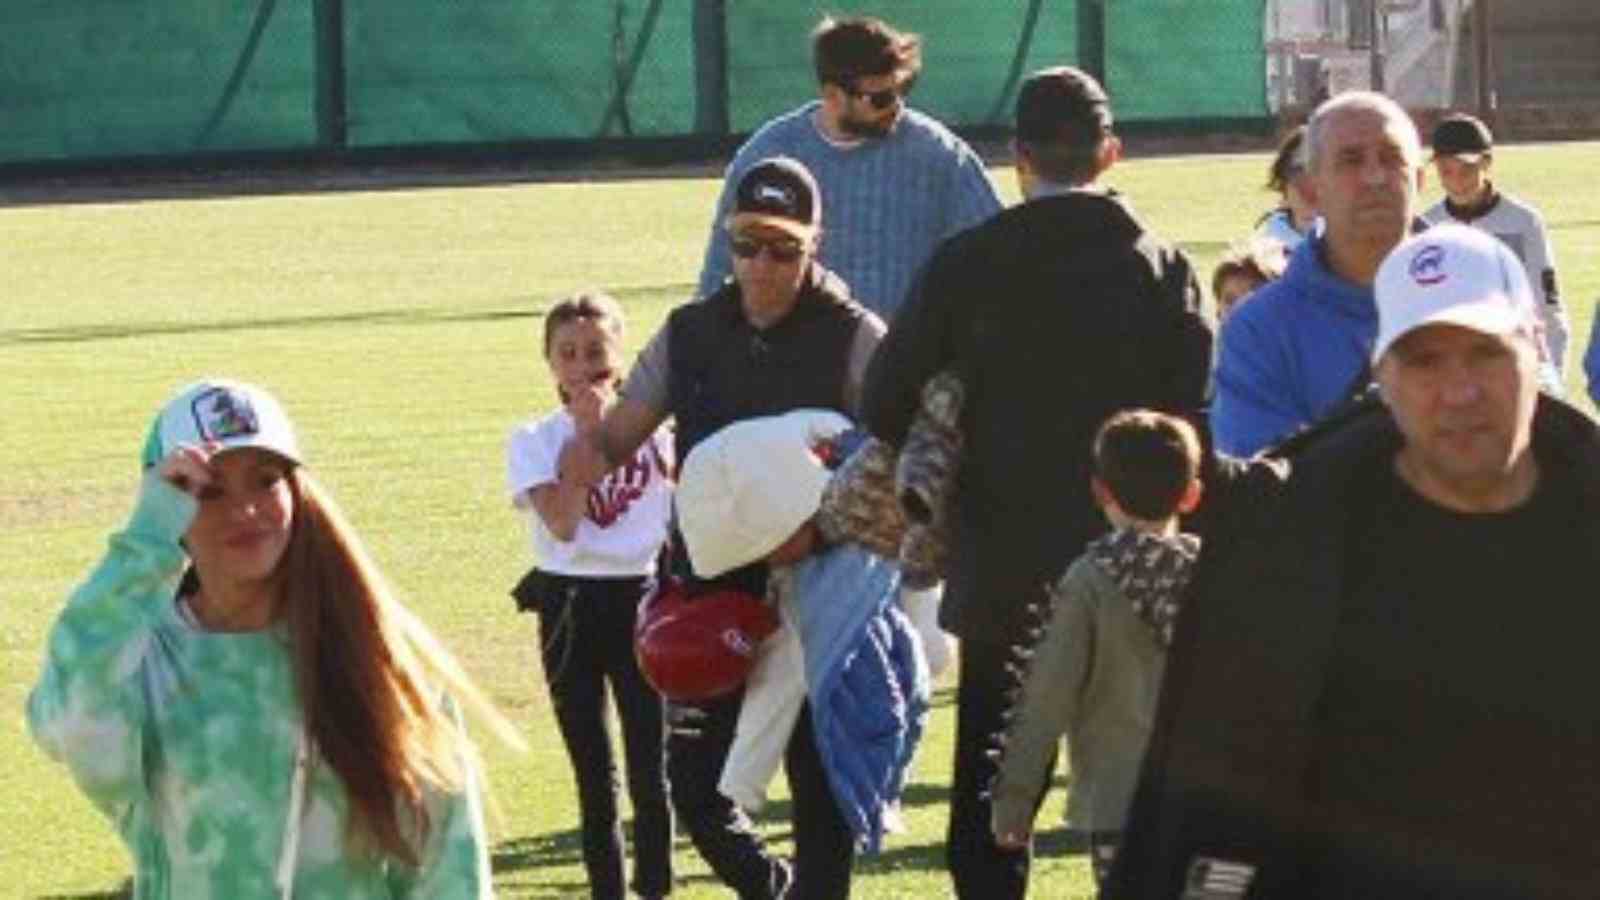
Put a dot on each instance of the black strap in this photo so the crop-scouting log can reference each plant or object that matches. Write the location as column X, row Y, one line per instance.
column 1359, row 398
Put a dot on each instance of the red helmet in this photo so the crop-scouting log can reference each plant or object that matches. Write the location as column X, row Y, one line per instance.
column 692, row 649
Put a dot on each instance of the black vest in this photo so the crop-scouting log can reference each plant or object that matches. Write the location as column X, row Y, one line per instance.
column 725, row 370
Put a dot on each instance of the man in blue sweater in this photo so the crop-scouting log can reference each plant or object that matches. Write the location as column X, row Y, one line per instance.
column 895, row 182
column 1301, row 345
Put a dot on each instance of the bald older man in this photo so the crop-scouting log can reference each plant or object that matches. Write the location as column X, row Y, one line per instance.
column 1300, row 346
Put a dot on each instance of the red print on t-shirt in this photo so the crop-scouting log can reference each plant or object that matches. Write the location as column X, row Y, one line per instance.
column 610, row 500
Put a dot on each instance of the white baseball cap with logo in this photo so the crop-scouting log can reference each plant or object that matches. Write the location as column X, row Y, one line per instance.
column 232, row 413
column 1452, row 275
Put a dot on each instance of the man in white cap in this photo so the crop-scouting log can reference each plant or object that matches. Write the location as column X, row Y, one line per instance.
column 1391, row 693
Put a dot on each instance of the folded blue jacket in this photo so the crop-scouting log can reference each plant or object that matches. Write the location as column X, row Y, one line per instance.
column 867, row 681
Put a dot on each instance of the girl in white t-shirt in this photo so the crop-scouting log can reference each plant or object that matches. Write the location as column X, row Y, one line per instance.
column 595, row 554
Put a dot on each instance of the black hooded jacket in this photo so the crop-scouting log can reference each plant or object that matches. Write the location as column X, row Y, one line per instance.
column 1059, row 312
column 1225, row 805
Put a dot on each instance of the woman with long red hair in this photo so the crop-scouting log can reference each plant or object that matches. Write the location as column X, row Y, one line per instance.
column 235, row 687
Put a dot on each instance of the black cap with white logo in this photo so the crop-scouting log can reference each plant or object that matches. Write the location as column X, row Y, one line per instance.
column 779, row 191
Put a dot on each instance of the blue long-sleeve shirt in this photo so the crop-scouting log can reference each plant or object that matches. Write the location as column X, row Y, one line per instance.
column 886, row 202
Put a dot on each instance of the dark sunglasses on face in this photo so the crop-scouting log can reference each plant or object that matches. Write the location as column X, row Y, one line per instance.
column 879, row 99
column 782, row 250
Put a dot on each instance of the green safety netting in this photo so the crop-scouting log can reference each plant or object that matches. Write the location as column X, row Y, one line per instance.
column 503, row 70
column 972, row 53
column 108, row 79
column 95, row 78
column 1185, row 59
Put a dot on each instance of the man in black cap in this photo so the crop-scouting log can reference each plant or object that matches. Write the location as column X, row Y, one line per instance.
column 1463, row 154
column 783, row 334
column 1058, row 313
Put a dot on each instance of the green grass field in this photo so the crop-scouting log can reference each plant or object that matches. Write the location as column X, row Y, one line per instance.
column 400, row 327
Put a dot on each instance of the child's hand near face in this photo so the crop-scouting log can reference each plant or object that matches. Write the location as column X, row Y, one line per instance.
column 589, row 402
column 585, row 356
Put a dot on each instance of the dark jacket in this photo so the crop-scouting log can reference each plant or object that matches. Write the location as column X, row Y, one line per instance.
column 1059, row 312
column 1224, row 791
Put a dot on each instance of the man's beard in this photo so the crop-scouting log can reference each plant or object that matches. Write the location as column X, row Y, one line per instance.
column 868, row 128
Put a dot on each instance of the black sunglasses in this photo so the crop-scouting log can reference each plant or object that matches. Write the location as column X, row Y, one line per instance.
column 783, row 250
column 885, row 98
column 879, row 99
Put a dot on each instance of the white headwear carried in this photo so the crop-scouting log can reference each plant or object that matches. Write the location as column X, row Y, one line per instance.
column 745, row 489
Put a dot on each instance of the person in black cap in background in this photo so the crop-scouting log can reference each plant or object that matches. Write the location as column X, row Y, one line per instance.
column 1463, row 153
column 784, row 334
column 1059, row 312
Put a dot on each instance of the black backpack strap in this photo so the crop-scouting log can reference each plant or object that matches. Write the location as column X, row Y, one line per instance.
column 1360, row 398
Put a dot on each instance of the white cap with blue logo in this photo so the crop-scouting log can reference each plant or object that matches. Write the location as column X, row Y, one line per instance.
column 1452, row 275
column 232, row 413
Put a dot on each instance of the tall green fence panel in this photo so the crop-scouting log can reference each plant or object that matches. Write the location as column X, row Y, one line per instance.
column 91, row 79
column 507, row 70
column 1186, row 59
column 970, row 53
column 116, row 79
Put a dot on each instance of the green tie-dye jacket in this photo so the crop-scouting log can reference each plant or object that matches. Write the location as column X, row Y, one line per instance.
column 186, row 740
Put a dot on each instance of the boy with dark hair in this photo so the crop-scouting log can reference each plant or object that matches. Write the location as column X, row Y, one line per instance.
column 1096, row 668
column 1463, row 154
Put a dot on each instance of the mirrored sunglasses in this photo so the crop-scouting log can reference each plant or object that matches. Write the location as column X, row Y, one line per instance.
column 783, row 250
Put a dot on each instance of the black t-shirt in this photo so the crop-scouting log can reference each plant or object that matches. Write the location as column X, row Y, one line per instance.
column 1459, row 744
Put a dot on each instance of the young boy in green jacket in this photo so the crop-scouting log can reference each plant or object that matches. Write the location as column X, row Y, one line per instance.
column 1096, row 669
